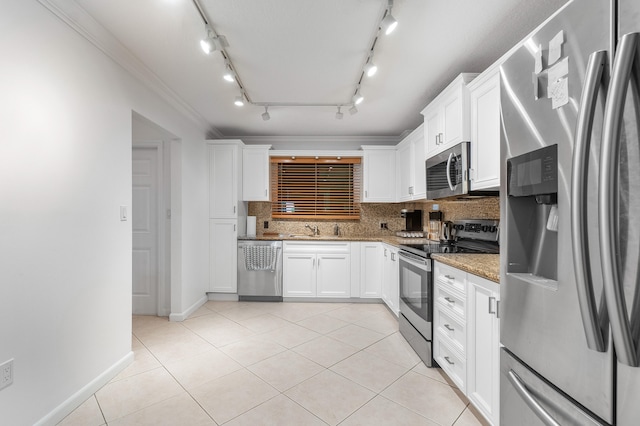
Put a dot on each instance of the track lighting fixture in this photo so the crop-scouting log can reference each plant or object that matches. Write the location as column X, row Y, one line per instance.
column 265, row 114
column 388, row 23
column 214, row 41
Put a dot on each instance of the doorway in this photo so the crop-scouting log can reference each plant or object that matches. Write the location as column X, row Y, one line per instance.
column 151, row 218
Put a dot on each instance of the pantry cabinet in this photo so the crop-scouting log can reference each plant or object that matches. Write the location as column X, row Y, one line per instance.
column 446, row 118
column 255, row 173
column 379, row 174
column 484, row 93
column 410, row 166
column 227, row 213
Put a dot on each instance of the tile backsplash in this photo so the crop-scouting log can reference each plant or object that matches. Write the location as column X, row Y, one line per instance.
column 373, row 214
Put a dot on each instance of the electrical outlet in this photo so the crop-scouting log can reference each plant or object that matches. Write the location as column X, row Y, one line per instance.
column 6, row 373
column 383, row 225
column 266, row 224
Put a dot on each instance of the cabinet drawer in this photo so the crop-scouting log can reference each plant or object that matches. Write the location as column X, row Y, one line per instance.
column 451, row 277
column 451, row 363
column 452, row 329
column 450, row 301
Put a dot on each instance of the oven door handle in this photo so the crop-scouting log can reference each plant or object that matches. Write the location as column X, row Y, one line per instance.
column 413, row 259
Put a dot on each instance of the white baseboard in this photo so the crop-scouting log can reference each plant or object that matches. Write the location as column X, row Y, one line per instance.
column 75, row 400
column 177, row 317
column 233, row 297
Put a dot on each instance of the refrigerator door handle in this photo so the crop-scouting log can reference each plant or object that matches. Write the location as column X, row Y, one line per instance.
column 453, row 188
column 627, row 61
column 530, row 400
column 581, row 257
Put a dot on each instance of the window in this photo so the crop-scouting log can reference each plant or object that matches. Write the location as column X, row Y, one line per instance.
column 315, row 188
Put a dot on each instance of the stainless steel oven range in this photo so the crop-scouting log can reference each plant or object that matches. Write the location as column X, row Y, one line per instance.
column 416, row 279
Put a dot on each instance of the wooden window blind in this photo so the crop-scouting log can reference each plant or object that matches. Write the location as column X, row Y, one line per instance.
column 315, row 188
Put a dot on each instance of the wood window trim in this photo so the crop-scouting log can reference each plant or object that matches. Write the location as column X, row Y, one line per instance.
column 318, row 188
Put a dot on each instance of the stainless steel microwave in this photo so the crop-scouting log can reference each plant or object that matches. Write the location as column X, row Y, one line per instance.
column 448, row 172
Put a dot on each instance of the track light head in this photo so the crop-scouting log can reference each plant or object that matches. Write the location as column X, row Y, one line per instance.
column 239, row 101
column 339, row 114
column 265, row 115
column 213, row 42
column 357, row 98
column 207, row 45
column 388, row 23
column 370, row 68
column 353, row 110
column 229, row 75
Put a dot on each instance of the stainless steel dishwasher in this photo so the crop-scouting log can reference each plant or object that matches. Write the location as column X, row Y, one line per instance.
column 260, row 270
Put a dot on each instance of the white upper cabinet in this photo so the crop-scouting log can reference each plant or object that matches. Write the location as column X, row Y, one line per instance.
column 484, row 94
column 225, row 170
column 446, row 118
column 410, row 158
column 255, row 172
column 379, row 174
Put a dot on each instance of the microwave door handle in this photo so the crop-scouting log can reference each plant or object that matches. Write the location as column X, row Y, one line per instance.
column 530, row 400
column 626, row 61
column 453, row 188
column 582, row 269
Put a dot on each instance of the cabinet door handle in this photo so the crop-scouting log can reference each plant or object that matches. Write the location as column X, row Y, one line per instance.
column 234, row 209
column 234, row 228
column 265, row 192
column 448, row 327
column 450, row 277
column 314, row 263
column 450, row 300
column 318, row 263
column 497, row 309
column 393, row 256
column 385, row 252
column 491, row 310
column 446, row 358
column 366, row 193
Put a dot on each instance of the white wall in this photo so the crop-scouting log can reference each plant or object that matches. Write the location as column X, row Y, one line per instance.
column 65, row 168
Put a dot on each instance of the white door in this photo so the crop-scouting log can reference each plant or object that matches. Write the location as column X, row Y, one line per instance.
column 145, row 162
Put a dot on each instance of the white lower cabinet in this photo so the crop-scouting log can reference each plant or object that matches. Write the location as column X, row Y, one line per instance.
column 316, row 269
column 370, row 269
column 390, row 269
column 223, row 263
column 483, row 341
column 467, row 336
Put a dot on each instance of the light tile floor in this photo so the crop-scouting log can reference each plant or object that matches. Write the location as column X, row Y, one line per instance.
column 243, row 363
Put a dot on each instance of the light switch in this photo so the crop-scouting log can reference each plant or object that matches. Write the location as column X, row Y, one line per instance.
column 123, row 213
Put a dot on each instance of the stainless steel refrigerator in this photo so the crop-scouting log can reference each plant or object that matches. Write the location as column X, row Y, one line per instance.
column 570, row 206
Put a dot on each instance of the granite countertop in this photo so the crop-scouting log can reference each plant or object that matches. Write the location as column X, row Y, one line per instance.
column 389, row 239
column 483, row 265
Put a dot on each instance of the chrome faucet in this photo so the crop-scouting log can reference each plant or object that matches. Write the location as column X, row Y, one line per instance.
column 314, row 229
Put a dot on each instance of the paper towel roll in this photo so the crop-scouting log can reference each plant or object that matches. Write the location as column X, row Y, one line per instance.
column 251, row 226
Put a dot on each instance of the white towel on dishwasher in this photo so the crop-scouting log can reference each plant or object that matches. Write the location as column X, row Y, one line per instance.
column 260, row 258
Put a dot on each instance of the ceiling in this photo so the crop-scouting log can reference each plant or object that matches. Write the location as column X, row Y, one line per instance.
column 312, row 51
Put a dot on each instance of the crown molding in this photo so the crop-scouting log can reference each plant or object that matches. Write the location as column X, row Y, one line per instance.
column 319, row 142
column 84, row 24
